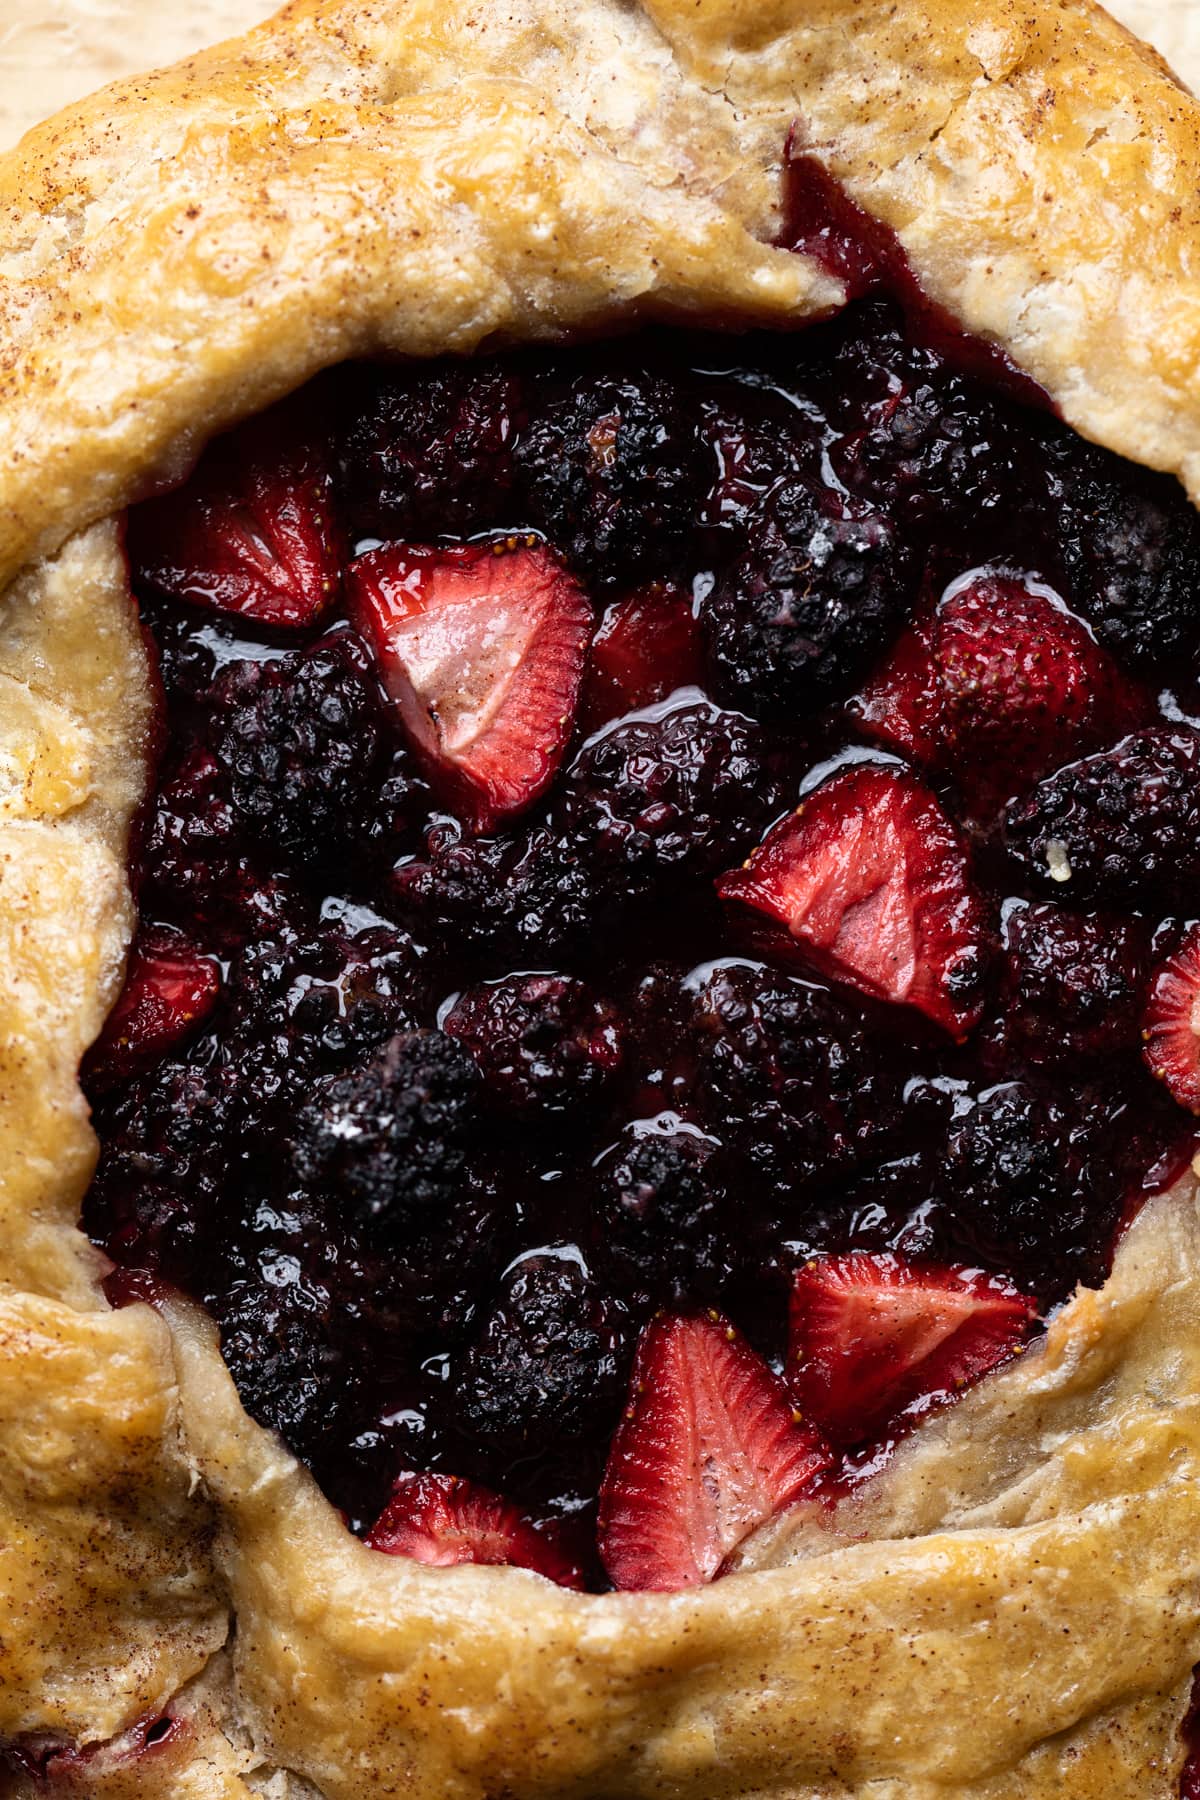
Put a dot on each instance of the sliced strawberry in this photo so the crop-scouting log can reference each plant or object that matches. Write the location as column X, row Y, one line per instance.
column 648, row 645
column 1171, row 1025
column 482, row 651
column 170, row 988
column 251, row 531
column 708, row 1449
column 901, row 704
column 441, row 1519
column 870, row 883
column 872, row 1335
column 997, row 687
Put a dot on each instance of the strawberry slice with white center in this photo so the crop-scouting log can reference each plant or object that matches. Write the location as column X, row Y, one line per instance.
column 1171, row 1025
column 873, row 1334
column 869, row 882
column 709, row 1447
column 252, row 531
column 481, row 649
column 170, row 989
column 443, row 1520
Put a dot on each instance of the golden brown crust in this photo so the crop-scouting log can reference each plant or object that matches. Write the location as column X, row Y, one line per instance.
column 366, row 175
column 106, row 1585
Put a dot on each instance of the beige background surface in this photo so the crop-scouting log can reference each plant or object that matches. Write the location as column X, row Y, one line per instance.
column 52, row 51
column 1173, row 25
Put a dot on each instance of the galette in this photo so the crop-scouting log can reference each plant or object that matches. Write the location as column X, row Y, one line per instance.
column 599, row 841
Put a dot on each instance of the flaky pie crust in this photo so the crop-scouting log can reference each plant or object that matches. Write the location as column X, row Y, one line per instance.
column 1012, row 1607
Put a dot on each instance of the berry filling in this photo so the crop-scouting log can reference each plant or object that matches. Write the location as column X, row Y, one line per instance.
column 662, row 951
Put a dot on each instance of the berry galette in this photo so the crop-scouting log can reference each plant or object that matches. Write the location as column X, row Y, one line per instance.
column 600, row 735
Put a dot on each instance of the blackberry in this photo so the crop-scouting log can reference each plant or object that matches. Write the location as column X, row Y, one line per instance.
column 674, row 796
column 297, row 741
column 303, row 1006
column 395, row 808
column 276, row 1309
column 660, row 1212
column 447, row 1259
column 615, row 472
column 685, row 793
column 194, row 862
column 1131, row 546
column 787, row 1078
column 1120, row 827
column 547, row 1363
column 541, row 1042
column 389, row 1141
column 430, row 450
column 314, row 1322
column 754, row 458
column 822, row 587
column 515, row 894
column 167, row 1149
column 189, row 647
column 323, row 999
column 930, row 447
column 1076, row 984
column 1036, row 1177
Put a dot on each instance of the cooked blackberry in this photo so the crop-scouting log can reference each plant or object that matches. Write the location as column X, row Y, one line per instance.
column 167, row 1150
column 547, row 1363
column 541, row 1042
column 650, row 798
column 661, row 1212
column 277, row 1309
column 754, row 457
column 1121, row 827
column 1075, row 984
column 1131, row 544
column 513, row 893
column 297, row 740
column 448, row 1256
column 615, row 471
column 303, row 1006
column 184, row 644
column 429, row 451
column 787, row 1077
column 666, row 797
column 389, row 1142
column 194, row 858
column 191, row 842
column 930, row 447
column 894, row 1205
column 684, row 793
column 395, row 811
column 1034, row 1174
column 298, row 1297
column 815, row 597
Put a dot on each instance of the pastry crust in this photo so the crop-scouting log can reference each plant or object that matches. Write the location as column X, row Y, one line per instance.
column 1012, row 1608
